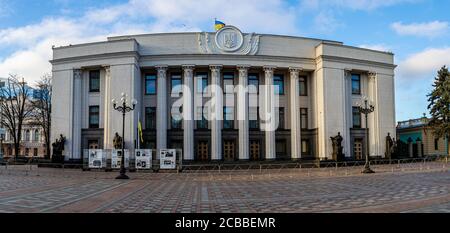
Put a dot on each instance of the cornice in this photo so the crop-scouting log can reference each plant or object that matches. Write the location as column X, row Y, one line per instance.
column 227, row 57
column 354, row 61
column 127, row 54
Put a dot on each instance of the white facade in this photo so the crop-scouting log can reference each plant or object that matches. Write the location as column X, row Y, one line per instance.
column 125, row 61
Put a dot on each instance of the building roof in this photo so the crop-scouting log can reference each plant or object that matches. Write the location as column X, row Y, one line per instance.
column 413, row 123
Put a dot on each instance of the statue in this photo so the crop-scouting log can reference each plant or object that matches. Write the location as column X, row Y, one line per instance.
column 58, row 148
column 337, row 147
column 117, row 141
column 389, row 146
column 394, row 147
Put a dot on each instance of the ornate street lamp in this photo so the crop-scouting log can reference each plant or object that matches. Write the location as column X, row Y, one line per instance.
column 123, row 108
column 366, row 110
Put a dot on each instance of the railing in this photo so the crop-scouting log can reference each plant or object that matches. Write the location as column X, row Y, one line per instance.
column 243, row 170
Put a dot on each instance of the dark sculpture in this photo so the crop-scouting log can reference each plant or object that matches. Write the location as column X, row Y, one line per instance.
column 389, row 146
column 337, row 147
column 117, row 141
column 58, row 148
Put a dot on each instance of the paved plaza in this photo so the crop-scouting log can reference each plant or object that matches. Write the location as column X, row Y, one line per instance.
column 58, row 190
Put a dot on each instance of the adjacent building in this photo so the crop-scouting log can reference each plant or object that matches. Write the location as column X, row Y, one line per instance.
column 317, row 87
column 32, row 143
column 418, row 135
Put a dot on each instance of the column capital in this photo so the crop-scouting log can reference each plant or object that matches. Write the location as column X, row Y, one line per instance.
column 269, row 68
column 108, row 70
column 162, row 67
column 215, row 67
column 162, row 70
column 371, row 74
column 347, row 72
column 243, row 67
column 188, row 67
column 77, row 73
column 295, row 70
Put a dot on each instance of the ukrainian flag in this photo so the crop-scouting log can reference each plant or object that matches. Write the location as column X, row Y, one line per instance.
column 219, row 25
column 140, row 131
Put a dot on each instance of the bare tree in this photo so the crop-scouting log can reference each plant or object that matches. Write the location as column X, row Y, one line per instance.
column 15, row 108
column 41, row 104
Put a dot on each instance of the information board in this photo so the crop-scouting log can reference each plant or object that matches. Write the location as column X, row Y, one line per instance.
column 168, row 159
column 96, row 158
column 116, row 158
column 143, row 159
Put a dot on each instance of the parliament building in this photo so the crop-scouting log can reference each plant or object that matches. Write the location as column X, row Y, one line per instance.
column 186, row 87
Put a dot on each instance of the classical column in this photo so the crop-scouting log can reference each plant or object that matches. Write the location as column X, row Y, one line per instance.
column 76, row 105
column 375, row 143
column 161, row 109
column 243, row 116
column 348, row 112
column 216, row 113
column 107, row 135
column 295, row 114
column 269, row 112
column 188, row 112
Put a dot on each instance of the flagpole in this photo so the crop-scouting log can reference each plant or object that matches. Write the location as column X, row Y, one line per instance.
column 138, row 133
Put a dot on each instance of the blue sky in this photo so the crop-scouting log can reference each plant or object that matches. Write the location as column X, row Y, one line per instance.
column 417, row 31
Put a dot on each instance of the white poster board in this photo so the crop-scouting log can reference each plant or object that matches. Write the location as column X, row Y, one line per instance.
column 143, row 158
column 168, row 158
column 116, row 158
column 96, row 158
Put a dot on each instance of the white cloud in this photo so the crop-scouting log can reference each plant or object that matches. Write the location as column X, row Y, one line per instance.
column 4, row 8
column 365, row 5
column 429, row 29
column 425, row 64
column 325, row 22
column 33, row 42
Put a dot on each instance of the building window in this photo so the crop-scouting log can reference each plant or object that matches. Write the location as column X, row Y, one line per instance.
column 228, row 118
column 201, row 114
column 94, row 117
column 303, row 118
column 280, row 148
column 176, row 144
column 150, row 118
column 305, row 147
column 280, row 118
column 94, row 81
column 253, row 118
column 150, row 84
column 202, row 83
column 356, row 118
column 303, row 88
column 35, row 152
column 176, row 84
column 228, row 83
column 27, row 136
column 436, row 144
column 253, row 84
column 356, row 84
column 278, row 82
column 36, row 136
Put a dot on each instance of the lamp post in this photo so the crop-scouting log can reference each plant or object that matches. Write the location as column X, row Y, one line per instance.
column 123, row 108
column 366, row 110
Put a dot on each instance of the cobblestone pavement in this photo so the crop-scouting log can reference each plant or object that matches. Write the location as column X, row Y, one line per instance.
column 53, row 190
